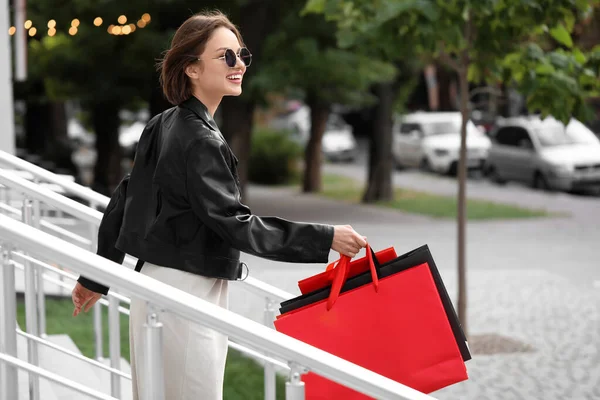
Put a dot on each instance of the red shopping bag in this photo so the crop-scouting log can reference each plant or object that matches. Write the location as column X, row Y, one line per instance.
column 395, row 324
column 356, row 267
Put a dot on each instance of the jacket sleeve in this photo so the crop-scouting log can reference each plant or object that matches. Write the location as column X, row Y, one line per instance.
column 108, row 232
column 215, row 198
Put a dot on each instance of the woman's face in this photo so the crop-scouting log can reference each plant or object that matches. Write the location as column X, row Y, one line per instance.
column 215, row 78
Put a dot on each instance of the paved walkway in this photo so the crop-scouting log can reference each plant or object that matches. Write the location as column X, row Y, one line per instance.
column 529, row 281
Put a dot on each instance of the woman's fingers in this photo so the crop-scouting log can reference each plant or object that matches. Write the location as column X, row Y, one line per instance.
column 83, row 297
column 95, row 297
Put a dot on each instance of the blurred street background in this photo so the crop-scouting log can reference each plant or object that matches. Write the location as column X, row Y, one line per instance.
column 407, row 119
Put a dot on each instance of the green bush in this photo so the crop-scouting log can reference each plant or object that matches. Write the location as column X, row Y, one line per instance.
column 274, row 157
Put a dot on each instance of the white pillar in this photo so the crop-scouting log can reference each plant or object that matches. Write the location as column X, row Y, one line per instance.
column 7, row 125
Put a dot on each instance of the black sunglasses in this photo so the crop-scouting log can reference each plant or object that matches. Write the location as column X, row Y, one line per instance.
column 231, row 57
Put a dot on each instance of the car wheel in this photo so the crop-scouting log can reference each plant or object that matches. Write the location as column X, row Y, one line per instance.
column 453, row 170
column 540, row 182
column 493, row 175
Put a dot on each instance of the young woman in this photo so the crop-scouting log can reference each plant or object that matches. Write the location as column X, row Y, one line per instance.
column 181, row 211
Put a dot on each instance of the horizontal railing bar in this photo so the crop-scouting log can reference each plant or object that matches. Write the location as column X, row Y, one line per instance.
column 73, row 354
column 61, row 231
column 65, row 232
column 54, row 377
column 72, row 187
column 42, row 264
column 63, row 285
column 256, row 354
column 10, row 209
column 264, row 289
column 240, row 329
column 49, row 197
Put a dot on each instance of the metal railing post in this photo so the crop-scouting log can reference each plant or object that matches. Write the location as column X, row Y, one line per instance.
column 269, row 369
column 41, row 294
column 114, row 345
column 31, row 311
column 97, row 308
column 8, row 328
column 154, row 388
column 294, row 387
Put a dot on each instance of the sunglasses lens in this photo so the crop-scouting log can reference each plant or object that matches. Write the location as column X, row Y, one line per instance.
column 246, row 56
column 230, row 58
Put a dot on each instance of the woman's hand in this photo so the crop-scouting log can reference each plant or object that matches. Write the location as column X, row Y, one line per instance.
column 346, row 241
column 83, row 297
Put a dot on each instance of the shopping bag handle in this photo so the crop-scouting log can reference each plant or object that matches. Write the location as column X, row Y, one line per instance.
column 341, row 275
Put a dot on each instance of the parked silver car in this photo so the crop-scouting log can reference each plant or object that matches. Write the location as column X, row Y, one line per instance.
column 544, row 153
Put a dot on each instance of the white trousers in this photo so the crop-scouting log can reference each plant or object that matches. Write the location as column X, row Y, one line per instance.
column 194, row 356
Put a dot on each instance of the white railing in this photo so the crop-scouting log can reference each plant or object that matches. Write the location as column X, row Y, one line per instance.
column 300, row 356
column 32, row 191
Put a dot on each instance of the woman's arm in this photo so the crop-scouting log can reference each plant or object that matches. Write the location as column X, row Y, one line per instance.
column 215, row 198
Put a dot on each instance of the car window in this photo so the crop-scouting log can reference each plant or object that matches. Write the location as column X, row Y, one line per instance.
column 556, row 134
column 506, row 136
column 522, row 138
column 407, row 128
column 441, row 127
column 449, row 126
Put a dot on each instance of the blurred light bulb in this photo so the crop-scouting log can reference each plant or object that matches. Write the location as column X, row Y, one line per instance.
column 72, row 31
column 146, row 18
column 75, row 23
column 51, row 32
column 116, row 30
column 28, row 24
column 12, row 30
column 110, row 29
column 132, row 27
column 32, row 32
column 51, row 24
column 141, row 23
column 98, row 21
column 122, row 19
column 126, row 30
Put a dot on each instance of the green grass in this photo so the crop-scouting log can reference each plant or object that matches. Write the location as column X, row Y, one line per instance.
column 244, row 378
column 347, row 189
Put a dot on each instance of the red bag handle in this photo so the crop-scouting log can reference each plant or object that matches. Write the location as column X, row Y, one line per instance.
column 341, row 275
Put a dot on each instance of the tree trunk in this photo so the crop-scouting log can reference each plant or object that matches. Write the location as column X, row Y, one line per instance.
column 445, row 79
column 462, row 206
column 59, row 147
column 379, row 185
column 36, row 127
column 313, row 154
column 238, row 116
column 106, row 122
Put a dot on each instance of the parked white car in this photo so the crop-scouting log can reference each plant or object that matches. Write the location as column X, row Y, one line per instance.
column 545, row 154
column 431, row 140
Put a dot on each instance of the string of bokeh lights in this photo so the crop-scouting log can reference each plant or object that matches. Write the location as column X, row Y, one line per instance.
column 122, row 28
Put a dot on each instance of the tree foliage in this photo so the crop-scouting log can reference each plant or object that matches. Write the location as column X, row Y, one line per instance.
column 303, row 55
column 495, row 40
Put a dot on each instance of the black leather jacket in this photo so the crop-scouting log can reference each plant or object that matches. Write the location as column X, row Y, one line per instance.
column 182, row 207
